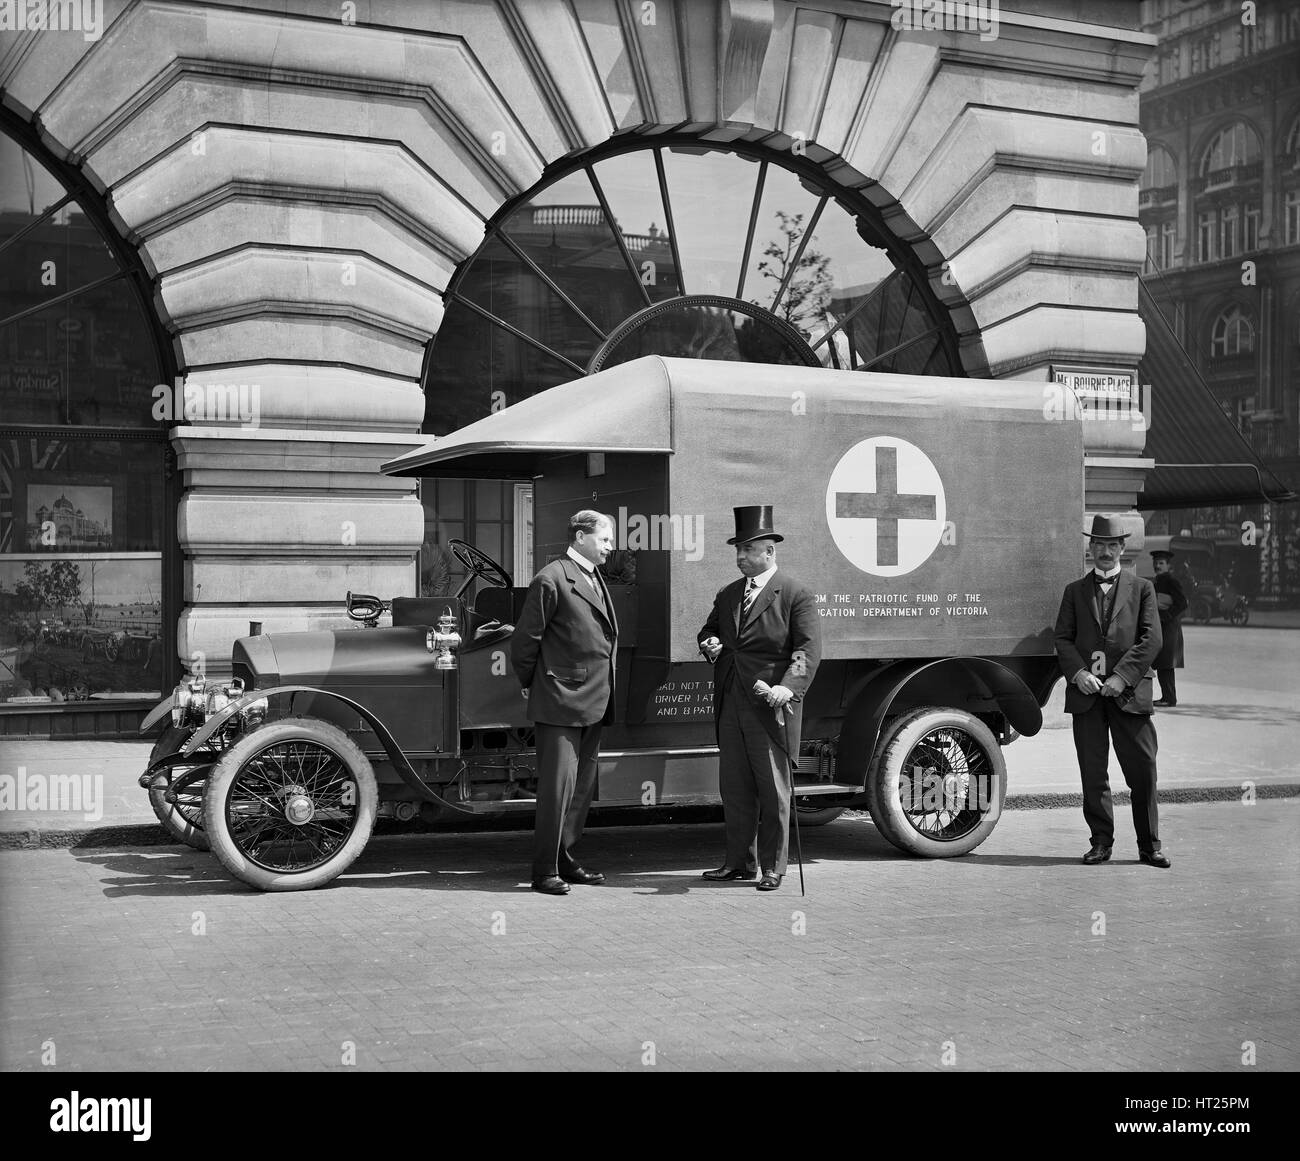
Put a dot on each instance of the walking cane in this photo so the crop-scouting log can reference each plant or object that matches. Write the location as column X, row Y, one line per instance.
column 798, row 845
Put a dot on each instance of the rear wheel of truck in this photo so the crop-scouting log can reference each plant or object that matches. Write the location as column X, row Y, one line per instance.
column 290, row 805
column 937, row 787
column 183, row 819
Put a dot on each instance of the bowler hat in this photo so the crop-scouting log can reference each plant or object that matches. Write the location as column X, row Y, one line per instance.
column 1107, row 528
column 754, row 522
column 1162, row 554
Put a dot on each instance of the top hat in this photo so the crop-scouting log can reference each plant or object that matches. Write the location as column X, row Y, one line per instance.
column 1162, row 554
column 754, row 522
column 1107, row 528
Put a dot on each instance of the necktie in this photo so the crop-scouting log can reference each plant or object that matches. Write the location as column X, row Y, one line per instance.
column 751, row 591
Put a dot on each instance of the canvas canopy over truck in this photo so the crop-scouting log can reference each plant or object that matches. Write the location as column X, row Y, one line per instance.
column 936, row 520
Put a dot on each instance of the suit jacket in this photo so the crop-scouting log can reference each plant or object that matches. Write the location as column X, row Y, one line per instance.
column 1171, row 621
column 564, row 647
column 1131, row 640
column 782, row 622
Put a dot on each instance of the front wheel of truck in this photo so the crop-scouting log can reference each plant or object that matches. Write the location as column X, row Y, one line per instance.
column 290, row 805
column 183, row 817
column 937, row 786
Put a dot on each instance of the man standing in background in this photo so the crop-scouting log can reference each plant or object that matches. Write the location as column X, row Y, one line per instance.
column 1172, row 604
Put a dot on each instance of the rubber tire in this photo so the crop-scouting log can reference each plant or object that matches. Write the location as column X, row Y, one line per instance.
column 1201, row 612
column 173, row 821
column 1240, row 615
column 228, row 767
column 883, row 777
column 817, row 816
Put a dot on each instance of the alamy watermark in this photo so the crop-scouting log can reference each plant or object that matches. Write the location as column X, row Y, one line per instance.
column 62, row 793
column 207, row 403
column 946, row 16
column 661, row 533
column 83, row 16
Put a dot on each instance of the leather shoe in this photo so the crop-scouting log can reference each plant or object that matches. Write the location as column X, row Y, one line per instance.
column 1097, row 855
column 1164, row 704
column 551, row 885
column 577, row 874
column 1154, row 858
column 723, row 874
column 769, row 882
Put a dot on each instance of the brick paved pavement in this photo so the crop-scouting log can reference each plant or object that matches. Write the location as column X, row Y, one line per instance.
column 994, row 955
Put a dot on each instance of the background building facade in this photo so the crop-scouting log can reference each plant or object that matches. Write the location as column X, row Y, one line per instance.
column 1220, row 205
column 340, row 227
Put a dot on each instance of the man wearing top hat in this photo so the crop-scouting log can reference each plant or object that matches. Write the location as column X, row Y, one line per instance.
column 764, row 639
column 1107, row 636
column 1172, row 604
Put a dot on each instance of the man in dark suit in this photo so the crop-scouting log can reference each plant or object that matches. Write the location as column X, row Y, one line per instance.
column 563, row 652
column 1107, row 635
column 764, row 638
column 1172, row 604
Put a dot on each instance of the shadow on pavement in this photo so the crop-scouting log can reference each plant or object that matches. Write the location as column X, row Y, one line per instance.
column 1264, row 715
column 664, row 860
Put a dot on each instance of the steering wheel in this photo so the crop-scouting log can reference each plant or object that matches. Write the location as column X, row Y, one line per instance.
column 479, row 565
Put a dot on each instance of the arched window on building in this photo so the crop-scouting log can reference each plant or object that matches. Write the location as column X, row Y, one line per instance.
column 1158, row 207
column 1233, row 145
column 1289, row 172
column 674, row 248
column 84, row 616
column 1232, row 335
column 1228, row 194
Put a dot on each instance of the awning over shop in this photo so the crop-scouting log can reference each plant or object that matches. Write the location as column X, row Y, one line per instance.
column 1201, row 458
column 595, row 415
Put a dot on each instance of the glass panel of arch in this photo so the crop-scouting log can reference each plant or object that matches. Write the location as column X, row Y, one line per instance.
column 852, row 272
column 87, row 360
column 480, row 368
column 508, row 288
column 706, row 331
column 712, row 196
column 630, row 182
column 776, row 257
column 564, row 232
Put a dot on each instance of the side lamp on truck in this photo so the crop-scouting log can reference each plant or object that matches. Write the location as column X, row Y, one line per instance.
column 443, row 640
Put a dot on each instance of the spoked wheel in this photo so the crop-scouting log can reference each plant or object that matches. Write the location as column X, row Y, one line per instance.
column 938, row 786
column 183, row 817
column 290, row 805
column 1201, row 612
column 1240, row 614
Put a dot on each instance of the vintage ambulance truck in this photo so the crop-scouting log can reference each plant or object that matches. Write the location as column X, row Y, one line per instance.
column 937, row 520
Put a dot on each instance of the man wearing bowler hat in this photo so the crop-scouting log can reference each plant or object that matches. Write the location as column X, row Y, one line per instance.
column 764, row 639
column 1107, row 636
column 1172, row 604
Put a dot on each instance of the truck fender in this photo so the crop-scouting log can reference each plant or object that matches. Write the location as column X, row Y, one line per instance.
column 395, row 755
column 154, row 716
column 958, row 680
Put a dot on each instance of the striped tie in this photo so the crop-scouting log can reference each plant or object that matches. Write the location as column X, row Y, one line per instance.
column 751, row 591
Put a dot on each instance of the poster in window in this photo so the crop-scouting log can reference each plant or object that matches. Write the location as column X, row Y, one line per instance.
column 69, row 517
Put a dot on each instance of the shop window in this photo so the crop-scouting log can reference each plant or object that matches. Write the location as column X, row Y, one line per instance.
column 82, row 459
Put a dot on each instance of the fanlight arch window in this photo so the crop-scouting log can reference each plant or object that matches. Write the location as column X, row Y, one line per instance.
column 1233, row 334
column 1235, row 144
column 1161, row 171
column 1291, row 150
column 683, row 249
